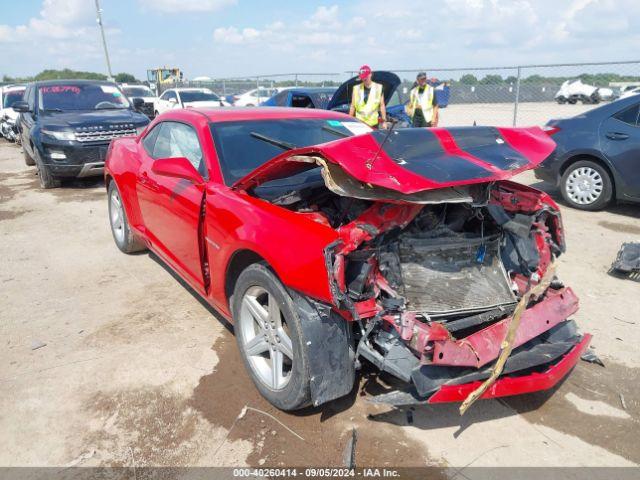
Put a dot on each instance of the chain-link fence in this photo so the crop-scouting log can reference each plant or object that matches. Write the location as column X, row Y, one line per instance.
column 527, row 94
column 511, row 95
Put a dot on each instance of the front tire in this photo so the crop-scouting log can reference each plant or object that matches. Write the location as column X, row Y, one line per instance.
column 47, row 180
column 269, row 336
column 122, row 234
column 586, row 185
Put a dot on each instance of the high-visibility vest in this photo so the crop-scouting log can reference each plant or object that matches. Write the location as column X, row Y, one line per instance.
column 367, row 111
column 423, row 101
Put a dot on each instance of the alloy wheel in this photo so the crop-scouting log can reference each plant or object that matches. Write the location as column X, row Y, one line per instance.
column 116, row 215
column 265, row 337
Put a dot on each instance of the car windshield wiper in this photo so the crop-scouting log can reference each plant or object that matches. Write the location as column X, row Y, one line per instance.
column 273, row 141
column 110, row 108
column 329, row 129
column 57, row 110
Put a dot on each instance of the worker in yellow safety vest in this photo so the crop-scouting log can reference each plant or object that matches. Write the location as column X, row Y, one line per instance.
column 422, row 107
column 367, row 100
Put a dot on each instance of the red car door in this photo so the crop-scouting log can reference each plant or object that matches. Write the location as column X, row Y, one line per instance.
column 170, row 207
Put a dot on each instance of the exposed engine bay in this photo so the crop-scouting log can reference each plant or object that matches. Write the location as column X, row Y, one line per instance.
column 431, row 284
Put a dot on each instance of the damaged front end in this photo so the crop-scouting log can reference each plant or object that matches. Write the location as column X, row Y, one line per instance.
column 433, row 290
column 438, row 281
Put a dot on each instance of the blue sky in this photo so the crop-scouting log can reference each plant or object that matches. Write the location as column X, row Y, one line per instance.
column 224, row 38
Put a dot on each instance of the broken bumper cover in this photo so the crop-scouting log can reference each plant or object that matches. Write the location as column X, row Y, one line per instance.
column 537, row 365
column 508, row 386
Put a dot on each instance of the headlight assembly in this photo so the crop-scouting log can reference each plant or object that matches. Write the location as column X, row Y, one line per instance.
column 60, row 134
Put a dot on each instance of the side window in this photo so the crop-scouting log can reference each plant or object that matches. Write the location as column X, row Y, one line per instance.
column 629, row 115
column 179, row 140
column 149, row 141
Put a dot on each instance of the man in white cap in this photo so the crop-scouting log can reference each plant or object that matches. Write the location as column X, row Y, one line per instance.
column 367, row 100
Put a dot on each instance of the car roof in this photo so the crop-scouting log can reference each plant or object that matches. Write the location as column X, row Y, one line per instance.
column 72, row 81
column 239, row 114
column 190, row 89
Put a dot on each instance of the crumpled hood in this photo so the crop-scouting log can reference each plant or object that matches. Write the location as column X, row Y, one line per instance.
column 77, row 119
column 417, row 159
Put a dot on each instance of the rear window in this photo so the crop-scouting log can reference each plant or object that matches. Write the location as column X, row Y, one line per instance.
column 199, row 96
column 240, row 153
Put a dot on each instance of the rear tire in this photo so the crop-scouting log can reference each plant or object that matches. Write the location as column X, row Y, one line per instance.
column 47, row 180
column 269, row 335
column 27, row 158
column 586, row 185
column 122, row 234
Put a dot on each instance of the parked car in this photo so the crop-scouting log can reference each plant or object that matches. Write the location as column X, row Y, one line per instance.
column 254, row 97
column 597, row 157
column 143, row 92
column 574, row 91
column 301, row 97
column 187, row 98
column 326, row 249
column 66, row 126
column 9, row 94
column 630, row 92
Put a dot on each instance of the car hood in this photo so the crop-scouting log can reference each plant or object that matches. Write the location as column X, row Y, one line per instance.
column 9, row 112
column 342, row 96
column 413, row 160
column 93, row 117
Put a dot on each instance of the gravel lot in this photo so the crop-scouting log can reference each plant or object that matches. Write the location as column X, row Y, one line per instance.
column 108, row 360
column 501, row 114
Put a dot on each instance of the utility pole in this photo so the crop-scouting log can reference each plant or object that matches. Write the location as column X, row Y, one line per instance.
column 104, row 40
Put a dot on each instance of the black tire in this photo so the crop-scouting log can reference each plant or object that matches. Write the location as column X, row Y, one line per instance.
column 568, row 178
column 27, row 158
column 125, row 240
column 47, row 180
column 295, row 394
column 572, row 101
column 155, row 114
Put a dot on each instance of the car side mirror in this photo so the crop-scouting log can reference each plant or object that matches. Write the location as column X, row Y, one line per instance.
column 21, row 107
column 138, row 103
column 177, row 167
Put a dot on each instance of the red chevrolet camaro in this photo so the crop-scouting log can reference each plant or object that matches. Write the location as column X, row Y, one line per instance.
column 328, row 244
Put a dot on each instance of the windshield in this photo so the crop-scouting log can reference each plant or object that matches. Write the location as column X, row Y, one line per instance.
column 81, row 97
column 241, row 150
column 11, row 97
column 198, row 96
column 137, row 92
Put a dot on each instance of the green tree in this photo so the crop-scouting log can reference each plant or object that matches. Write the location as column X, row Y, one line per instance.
column 125, row 78
column 491, row 80
column 468, row 79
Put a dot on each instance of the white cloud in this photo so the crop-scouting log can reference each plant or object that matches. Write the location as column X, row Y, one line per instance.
column 232, row 35
column 181, row 6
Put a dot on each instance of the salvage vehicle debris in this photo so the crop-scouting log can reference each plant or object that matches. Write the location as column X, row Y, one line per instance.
column 590, row 356
column 328, row 246
column 627, row 261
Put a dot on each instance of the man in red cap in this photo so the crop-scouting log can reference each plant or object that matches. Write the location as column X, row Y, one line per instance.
column 367, row 100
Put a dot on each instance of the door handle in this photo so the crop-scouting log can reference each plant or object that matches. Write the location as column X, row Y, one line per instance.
column 616, row 136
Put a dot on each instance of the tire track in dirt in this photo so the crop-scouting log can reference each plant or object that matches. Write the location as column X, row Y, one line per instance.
column 222, row 395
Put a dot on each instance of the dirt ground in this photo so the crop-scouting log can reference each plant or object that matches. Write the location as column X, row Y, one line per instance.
column 108, row 360
column 501, row 114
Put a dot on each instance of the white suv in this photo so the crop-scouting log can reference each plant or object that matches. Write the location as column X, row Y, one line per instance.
column 188, row 98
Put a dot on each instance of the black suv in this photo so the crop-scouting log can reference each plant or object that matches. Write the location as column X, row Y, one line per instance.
column 66, row 126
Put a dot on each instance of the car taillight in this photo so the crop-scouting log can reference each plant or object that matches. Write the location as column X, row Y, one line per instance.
column 550, row 130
